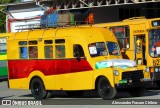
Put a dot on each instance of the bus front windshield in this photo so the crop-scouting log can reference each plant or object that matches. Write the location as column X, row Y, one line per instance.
column 113, row 48
column 154, row 42
column 97, row 49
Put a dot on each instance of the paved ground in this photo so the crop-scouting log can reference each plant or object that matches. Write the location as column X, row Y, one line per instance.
column 88, row 99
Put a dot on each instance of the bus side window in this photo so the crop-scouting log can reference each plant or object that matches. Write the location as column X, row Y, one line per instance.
column 59, row 48
column 48, row 49
column 23, row 50
column 78, row 51
column 33, row 52
column 60, row 51
column 34, row 42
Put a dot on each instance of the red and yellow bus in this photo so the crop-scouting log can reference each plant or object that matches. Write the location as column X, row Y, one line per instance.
column 139, row 40
column 72, row 59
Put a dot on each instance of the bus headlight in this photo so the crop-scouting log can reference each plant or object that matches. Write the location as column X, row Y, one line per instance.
column 156, row 69
column 116, row 73
column 147, row 69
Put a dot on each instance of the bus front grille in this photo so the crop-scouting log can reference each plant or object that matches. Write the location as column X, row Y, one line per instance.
column 135, row 76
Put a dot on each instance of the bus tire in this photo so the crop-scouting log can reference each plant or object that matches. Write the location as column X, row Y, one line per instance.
column 137, row 92
column 105, row 90
column 37, row 89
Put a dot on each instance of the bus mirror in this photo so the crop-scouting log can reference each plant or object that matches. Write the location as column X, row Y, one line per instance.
column 77, row 55
column 78, row 58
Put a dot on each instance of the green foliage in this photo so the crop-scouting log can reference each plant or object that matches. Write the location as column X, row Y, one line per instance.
column 2, row 22
column 3, row 15
column 5, row 1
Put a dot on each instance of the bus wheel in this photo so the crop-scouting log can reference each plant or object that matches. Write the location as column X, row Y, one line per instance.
column 75, row 93
column 105, row 90
column 137, row 92
column 37, row 89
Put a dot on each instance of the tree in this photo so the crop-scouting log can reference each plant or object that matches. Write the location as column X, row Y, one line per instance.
column 3, row 15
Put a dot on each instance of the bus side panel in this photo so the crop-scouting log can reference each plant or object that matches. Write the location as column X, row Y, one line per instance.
column 75, row 81
column 71, row 81
column 106, row 72
column 21, row 69
column 13, row 52
column 83, row 80
column 22, row 83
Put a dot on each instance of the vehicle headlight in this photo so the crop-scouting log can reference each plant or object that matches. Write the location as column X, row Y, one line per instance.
column 147, row 69
column 116, row 73
column 156, row 69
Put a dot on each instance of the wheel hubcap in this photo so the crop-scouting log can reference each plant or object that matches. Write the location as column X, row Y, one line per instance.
column 36, row 89
column 105, row 88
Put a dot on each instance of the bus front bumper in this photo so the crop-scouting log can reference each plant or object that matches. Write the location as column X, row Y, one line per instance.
column 155, row 76
column 128, row 84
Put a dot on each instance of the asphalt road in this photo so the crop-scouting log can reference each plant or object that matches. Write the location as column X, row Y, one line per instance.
column 89, row 99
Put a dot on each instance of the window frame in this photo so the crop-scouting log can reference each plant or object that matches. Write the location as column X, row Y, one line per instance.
column 123, row 38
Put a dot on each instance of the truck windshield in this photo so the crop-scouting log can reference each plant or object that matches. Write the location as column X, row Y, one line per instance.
column 97, row 49
column 154, row 42
column 113, row 48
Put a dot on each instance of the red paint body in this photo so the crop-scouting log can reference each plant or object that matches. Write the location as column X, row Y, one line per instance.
column 22, row 68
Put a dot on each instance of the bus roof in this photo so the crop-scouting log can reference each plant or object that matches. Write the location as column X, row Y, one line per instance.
column 5, row 34
column 78, row 32
column 130, row 21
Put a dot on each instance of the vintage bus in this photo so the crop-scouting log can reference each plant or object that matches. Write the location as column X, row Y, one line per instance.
column 3, row 56
column 72, row 59
column 139, row 40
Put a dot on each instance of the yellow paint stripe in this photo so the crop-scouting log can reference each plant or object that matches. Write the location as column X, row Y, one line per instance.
column 3, row 57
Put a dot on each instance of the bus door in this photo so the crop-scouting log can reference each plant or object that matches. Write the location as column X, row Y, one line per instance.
column 139, row 42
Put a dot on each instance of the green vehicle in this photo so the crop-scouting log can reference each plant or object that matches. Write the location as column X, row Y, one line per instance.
column 3, row 56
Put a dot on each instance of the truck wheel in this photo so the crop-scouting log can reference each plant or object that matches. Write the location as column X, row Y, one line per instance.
column 137, row 92
column 37, row 89
column 105, row 90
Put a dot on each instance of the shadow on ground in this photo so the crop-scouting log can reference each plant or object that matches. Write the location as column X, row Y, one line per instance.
column 6, row 97
column 94, row 94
